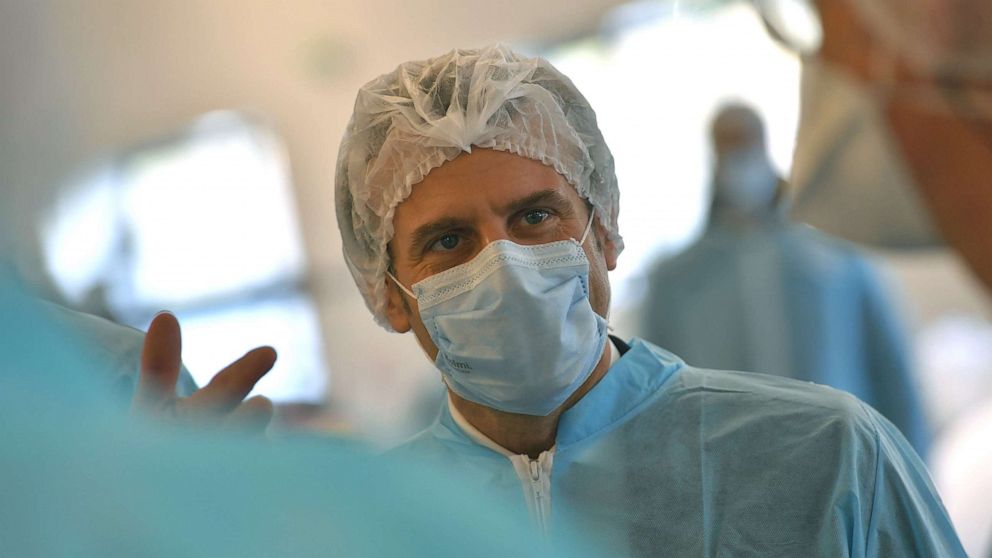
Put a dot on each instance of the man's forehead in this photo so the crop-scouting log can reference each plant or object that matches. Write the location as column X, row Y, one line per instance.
column 471, row 185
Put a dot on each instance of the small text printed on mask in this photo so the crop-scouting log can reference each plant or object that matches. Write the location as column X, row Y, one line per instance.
column 462, row 366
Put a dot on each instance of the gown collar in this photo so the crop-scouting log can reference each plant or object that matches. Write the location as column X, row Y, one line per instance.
column 633, row 381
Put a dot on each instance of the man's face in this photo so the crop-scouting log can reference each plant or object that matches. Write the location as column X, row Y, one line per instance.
column 463, row 205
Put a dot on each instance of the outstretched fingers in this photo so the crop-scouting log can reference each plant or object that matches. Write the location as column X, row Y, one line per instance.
column 252, row 416
column 231, row 385
column 161, row 360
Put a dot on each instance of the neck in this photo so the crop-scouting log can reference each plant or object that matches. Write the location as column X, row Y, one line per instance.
column 527, row 434
column 735, row 216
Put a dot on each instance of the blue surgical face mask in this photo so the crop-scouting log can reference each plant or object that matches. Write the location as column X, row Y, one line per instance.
column 746, row 181
column 514, row 327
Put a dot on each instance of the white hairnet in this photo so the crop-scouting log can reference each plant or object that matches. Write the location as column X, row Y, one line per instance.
column 428, row 112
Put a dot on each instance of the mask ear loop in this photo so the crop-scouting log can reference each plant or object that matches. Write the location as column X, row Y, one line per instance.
column 400, row 285
column 585, row 233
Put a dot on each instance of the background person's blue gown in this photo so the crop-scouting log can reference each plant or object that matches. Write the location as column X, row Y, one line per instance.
column 783, row 299
column 663, row 459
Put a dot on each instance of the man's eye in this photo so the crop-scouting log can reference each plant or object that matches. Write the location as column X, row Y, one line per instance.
column 446, row 243
column 536, row 216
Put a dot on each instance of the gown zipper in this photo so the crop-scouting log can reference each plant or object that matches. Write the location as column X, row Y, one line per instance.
column 535, row 476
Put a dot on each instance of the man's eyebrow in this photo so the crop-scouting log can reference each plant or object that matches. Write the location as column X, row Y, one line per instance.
column 550, row 197
column 427, row 231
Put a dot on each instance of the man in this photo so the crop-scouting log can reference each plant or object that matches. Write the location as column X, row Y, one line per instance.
column 759, row 293
column 478, row 206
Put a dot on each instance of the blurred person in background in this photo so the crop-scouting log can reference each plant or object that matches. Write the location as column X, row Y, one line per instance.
column 477, row 204
column 894, row 149
column 760, row 293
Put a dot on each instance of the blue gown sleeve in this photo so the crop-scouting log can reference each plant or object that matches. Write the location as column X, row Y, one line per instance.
column 115, row 349
column 907, row 517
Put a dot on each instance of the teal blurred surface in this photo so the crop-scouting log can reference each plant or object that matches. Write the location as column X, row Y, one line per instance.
column 78, row 479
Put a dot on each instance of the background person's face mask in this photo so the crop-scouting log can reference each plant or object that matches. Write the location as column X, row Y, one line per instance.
column 514, row 327
column 746, row 181
column 851, row 178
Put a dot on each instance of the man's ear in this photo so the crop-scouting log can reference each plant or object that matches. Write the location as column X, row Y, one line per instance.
column 397, row 310
column 608, row 246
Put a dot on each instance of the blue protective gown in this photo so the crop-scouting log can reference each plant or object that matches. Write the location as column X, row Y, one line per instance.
column 77, row 480
column 115, row 350
column 783, row 299
column 663, row 459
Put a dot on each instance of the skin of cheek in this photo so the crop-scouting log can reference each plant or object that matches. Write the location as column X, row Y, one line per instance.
column 599, row 283
column 401, row 303
column 420, row 330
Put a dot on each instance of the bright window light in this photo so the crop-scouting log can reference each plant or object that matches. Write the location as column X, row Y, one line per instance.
column 209, row 216
column 289, row 324
column 202, row 223
column 80, row 234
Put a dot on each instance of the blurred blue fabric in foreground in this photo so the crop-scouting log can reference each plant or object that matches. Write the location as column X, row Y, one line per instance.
column 80, row 479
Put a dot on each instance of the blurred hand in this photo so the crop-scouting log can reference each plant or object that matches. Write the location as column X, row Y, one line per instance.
column 219, row 403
